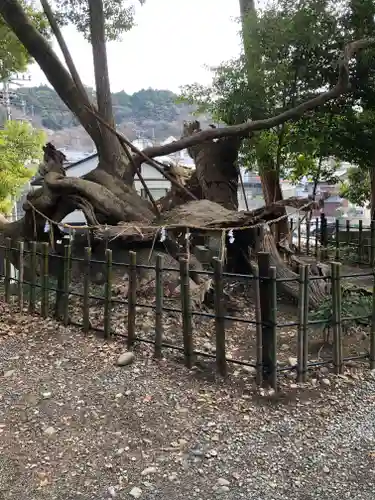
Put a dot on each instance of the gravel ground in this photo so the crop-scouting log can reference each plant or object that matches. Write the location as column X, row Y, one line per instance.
column 73, row 425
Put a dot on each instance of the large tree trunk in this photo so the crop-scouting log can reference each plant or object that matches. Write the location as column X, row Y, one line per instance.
column 216, row 167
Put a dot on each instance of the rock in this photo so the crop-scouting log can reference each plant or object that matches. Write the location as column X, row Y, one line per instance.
column 50, row 431
column 251, row 370
column 292, row 361
column 9, row 373
column 326, row 470
column 324, row 370
column 112, row 492
column 173, row 476
column 293, row 386
column 223, row 482
column 125, row 359
column 135, row 492
column 46, row 395
column 326, row 381
column 224, row 489
column 148, row 470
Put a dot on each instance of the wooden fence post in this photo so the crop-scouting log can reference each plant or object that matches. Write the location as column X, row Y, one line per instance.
column 8, row 249
column 336, row 310
column 186, row 312
column 159, row 298
column 33, row 264
column 132, row 297
column 108, row 294
column 268, row 310
column 221, row 361
column 86, row 290
column 21, row 269
column 45, row 281
column 258, row 326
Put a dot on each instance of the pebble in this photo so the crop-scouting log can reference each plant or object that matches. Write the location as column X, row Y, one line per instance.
column 224, row 489
column 148, row 470
column 112, row 491
column 125, row 359
column 135, row 492
column 9, row 373
column 223, row 482
column 326, row 470
column 326, row 381
column 50, row 431
column 292, row 361
column 251, row 370
column 46, row 395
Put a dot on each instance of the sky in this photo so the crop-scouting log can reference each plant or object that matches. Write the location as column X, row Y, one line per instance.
column 170, row 45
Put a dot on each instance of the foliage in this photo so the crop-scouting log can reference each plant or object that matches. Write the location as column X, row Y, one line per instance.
column 282, row 64
column 118, row 16
column 355, row 303
column 20, row 147
column 14, row 58
column 357, row 187
column 156, row 107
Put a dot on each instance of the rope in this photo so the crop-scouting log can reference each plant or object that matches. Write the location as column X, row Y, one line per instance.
column 173, row 226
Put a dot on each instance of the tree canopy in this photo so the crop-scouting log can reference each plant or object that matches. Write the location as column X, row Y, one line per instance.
column 14, row 58
column 20, row 149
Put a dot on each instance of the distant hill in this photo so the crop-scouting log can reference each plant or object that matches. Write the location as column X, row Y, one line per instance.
column 149, row 113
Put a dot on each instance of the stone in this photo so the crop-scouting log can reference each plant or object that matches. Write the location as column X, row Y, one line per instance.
column 50, row 431
column 46, row 395
column 326, row 470
column 148, row 470
column 224, row 489
column 251, row 370
column 292, row 361
column 9, row 373
column 135, row 492
column 125, row 359
column 326, row 381
column 112, row 492
column 223, row 482
column 293, row 386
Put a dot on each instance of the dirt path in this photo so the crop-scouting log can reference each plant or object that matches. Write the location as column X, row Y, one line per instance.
column 75, row 426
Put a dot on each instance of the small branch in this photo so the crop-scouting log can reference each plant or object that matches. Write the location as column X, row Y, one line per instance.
column 141, row 155
column 64, row 49
column 245, row 129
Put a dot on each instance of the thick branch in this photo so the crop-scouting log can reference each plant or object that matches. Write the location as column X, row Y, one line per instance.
column 58, row 76
column 245, row 129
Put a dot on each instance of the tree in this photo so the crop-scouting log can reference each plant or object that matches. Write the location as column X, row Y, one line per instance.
column 14, row 58
column 284, row 46
column 20, row 149
column 106, row 195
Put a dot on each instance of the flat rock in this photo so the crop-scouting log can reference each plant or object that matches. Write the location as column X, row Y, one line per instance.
column 125, row 359
column 135, row 492
column 223, row 482
column 148, row 470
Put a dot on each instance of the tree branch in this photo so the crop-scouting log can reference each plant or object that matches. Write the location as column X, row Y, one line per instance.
column 17, row 19
column 64, row 49
column 245, row 129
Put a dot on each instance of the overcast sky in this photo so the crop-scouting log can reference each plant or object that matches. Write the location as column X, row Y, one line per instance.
column 169, row 46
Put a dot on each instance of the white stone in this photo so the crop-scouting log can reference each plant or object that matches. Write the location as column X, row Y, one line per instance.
column 9, row 373
column 112, row 491
column 149, row 470
column 135, row 492
column 326, row 381
column 223, row 482
column 125, row 359
column 292, row 361
column 50, row 431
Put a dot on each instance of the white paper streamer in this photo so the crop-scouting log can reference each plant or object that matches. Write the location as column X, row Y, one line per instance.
column 163, row 234
column 230, row 236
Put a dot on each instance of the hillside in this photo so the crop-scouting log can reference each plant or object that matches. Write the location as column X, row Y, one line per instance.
column 149, row 113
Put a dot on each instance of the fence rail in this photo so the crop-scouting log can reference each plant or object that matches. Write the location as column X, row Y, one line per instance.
column 48, row 294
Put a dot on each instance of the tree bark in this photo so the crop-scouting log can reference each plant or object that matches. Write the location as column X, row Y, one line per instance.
column 216, row 167
column 110, row 150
